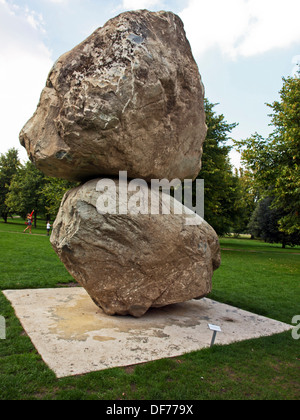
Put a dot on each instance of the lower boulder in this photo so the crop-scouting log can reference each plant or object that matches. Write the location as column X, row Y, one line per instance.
column 130, row 262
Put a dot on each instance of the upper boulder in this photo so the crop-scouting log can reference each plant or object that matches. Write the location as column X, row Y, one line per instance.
column 127, row 98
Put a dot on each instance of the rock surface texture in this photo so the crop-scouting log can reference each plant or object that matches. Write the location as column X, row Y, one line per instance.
column 129, row 98
column 129, row 263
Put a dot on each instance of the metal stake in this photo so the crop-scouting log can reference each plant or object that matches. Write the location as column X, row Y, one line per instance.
column 213, row 338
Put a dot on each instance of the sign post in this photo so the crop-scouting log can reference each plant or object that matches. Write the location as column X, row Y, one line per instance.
column 215, row 329
column 2, row 328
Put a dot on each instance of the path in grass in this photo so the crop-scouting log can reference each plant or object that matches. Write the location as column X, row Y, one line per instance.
column 255, row 245
column 22, row 233
column 254, row 251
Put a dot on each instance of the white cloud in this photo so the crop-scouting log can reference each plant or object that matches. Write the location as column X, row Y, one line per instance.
column 57, row 1
column 140, row 4
column 241, row 27
column 35, row 20
column 25, row 63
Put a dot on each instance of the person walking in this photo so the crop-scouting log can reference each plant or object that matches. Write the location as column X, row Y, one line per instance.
column 48, row 228
column 29, row 221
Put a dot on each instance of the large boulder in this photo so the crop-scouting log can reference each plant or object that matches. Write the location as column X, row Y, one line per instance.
column 129, row 97
column 131, row 262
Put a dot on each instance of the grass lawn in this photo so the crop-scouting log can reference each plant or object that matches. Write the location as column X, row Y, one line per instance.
column 254, row 276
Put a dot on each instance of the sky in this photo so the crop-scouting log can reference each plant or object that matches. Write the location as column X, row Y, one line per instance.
column 243, row 48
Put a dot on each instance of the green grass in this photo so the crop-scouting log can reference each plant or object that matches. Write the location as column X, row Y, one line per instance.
column 254, row 276
column 259, row 279
column 257, row 246
column 28, row 261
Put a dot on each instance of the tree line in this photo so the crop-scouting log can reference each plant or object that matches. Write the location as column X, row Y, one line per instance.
column 274, row 167
column 262, row 199
column 24, row 188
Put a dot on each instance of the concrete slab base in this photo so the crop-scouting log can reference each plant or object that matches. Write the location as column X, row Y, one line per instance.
column 74, row 336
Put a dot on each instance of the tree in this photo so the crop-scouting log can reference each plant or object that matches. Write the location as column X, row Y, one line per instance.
column 221, row 185
column 25, row 191
column 264, row 224
column 275, row 161
column 53, row 192
column 247, row 200
column 286, row 120
column 9, row 164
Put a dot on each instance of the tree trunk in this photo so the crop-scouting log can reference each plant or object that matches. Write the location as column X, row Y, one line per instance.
column 35, row 219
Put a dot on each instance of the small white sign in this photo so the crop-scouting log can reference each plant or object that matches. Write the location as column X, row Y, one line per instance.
column 214, row 328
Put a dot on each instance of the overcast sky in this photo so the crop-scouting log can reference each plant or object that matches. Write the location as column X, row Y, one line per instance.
column 243, row 49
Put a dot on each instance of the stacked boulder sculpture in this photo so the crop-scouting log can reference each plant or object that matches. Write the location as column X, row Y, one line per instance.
column 129, row 98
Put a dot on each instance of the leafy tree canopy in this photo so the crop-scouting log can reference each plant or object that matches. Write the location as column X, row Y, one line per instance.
column 264, row 224
column 222, row 192
column 9, row 164
column 275, row 161
column 25, row 191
